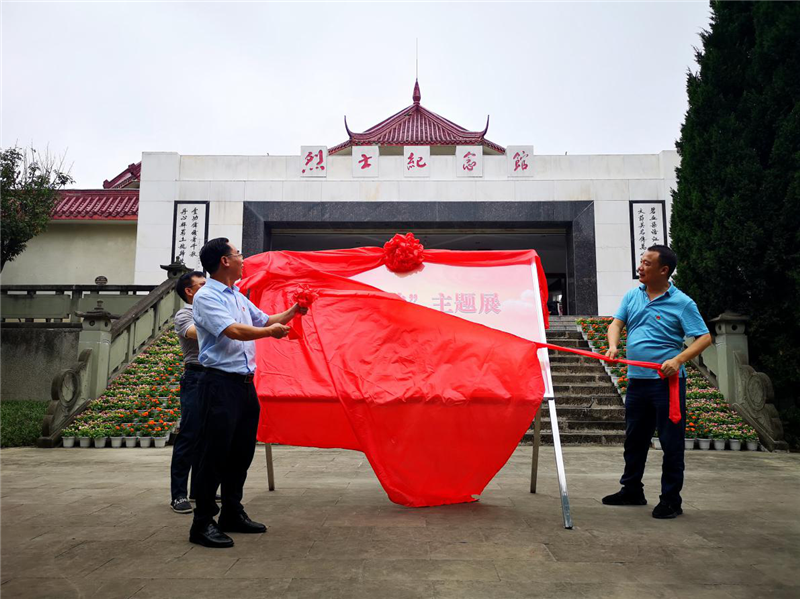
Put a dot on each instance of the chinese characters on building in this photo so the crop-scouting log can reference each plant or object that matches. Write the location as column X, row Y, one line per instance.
column 469, row 161
column 458, row 303
column 190, row 232
column 648, row 228
column 313, row 161
column 520, row 161
column 417, row 160
column 365, row 161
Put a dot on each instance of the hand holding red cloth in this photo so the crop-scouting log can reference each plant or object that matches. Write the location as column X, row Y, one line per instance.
column 303, row 297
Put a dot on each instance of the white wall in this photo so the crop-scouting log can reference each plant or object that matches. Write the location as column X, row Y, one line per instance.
column 74, row 253
column 228, row 181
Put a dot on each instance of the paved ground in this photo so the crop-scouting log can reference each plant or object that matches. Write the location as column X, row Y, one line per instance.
column 95, row 523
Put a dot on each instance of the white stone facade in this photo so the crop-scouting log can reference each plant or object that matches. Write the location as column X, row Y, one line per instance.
column 226, row 182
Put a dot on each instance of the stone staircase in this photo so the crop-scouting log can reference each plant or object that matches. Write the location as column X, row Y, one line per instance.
column 589, row 409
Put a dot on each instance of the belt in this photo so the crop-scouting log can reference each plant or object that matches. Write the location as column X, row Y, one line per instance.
column 242, row 378
column 193, row 366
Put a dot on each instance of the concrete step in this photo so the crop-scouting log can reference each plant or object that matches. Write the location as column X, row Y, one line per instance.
column 569, row 377
column 563, row 358
column 581, row 413
column 583, row 388
column 579, row 438
column 552, row 335
column 587, row 401
column 578, row 369
column 571, row 426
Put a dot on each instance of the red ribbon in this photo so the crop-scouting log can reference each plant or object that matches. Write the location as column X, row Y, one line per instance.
column 674, row 380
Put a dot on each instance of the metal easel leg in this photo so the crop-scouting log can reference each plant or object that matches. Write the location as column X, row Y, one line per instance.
column 562, row 476
column 537, row 438
column 270, row 469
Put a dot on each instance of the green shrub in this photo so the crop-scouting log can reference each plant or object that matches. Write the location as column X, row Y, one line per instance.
column 21, row 422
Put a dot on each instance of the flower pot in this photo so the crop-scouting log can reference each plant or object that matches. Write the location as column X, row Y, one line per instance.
column 145, row 441
column 85, row 441
column 735, row 444
column 160, row 442
column 704, row 443
column 116, row 442
column 688, row 443
column 751, row 445
column 68, row 441
column 719, row 444
column 130, row 441
column 656, row 443
column 100, row 441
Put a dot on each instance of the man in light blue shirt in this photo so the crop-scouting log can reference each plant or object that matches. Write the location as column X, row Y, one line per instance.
column 658, row 316
column 227, row 325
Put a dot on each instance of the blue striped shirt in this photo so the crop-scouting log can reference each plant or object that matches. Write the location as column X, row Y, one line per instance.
column 216, row 307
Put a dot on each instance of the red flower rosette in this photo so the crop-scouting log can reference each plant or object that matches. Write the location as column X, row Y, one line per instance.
column 403, row 253
column 305, row 296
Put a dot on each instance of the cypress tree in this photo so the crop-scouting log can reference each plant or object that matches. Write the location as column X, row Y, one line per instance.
column 736, row 211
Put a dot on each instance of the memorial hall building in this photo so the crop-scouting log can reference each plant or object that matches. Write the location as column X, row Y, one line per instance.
column 588, row 217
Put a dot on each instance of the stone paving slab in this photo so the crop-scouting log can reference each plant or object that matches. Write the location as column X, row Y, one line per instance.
column 96, row 523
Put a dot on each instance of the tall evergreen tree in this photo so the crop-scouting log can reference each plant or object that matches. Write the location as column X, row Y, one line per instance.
column 736, row 211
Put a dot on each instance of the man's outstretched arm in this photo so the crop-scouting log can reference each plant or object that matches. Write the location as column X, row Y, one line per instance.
column 245, row 332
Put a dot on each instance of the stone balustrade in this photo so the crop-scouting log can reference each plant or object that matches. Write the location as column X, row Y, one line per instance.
column 107, row 344
column 749, row 393
column 62, row 303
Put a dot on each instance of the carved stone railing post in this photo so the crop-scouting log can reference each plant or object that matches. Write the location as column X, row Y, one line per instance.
column 729, row 338
column 96, row 336
column 175, row 269
column 748, row 392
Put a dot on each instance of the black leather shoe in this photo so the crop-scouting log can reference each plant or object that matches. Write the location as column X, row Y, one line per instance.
column 665, row 511
column 241, row 523
column 625, row 498
column 210, row 536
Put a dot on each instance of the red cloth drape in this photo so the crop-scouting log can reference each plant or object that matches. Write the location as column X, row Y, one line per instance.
column 437, row 403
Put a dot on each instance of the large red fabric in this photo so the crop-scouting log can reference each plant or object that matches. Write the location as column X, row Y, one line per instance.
column 437, row 403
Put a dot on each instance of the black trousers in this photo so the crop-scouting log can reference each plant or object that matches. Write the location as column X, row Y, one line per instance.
column 184, row 454
column 647, row 410
column 227, row 444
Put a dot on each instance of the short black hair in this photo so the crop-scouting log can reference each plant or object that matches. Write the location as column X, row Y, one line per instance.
column 666, row 257
column 185, row 281
column 212, row 252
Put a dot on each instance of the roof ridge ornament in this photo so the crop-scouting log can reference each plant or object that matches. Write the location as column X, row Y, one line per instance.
column 417, row 96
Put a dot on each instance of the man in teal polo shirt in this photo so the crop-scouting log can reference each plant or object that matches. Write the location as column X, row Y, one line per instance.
column 658, row 316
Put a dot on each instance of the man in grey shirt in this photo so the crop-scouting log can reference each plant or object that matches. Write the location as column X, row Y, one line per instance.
column 184, row 452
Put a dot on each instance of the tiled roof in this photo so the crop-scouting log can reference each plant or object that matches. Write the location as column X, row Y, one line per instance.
column 97, row 204
column 127, row 177
column 416, row 125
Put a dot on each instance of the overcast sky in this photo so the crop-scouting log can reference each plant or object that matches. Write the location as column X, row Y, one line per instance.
column 104, row 82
